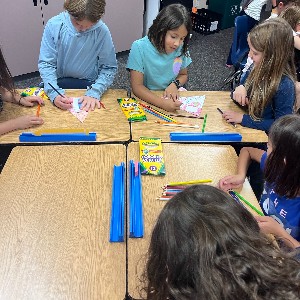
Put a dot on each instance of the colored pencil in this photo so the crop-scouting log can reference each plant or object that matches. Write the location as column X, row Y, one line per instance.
column 164, row 198
column 38, row 110
column 189, row 182
column 204, row 123
column 178, row 124
column 184, row 116
column 56, row 90
column 158, row 112
column 221, row 112
column 248, row 203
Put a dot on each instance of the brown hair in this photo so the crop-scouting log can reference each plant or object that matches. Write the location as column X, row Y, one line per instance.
column 274, row 39
column 91, row 10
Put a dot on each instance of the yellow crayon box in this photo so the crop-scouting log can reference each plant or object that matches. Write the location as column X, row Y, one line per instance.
column 151, row 156
column 132, row 109
column 34, row 91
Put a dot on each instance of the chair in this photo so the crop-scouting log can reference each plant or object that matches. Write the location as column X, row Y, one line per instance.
column 239, row 48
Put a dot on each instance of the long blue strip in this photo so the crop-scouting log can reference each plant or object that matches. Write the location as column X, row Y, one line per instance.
column 136, row 218
column 66, row 137
column 205, row 137
column 118, row 202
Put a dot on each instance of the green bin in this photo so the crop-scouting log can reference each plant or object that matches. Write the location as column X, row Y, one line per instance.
column 229, row 9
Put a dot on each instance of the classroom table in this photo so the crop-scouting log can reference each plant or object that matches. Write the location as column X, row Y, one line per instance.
column 214, row 122
column 183, row 163
column 54, row 228
column 110, row 123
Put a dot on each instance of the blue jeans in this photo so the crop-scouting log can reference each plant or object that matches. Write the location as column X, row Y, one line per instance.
column 71, row 83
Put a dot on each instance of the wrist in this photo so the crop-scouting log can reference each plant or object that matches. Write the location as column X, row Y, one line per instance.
column 177, row 83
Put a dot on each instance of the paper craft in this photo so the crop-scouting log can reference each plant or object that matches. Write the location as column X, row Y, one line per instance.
column 192, row 104
column 76, row 111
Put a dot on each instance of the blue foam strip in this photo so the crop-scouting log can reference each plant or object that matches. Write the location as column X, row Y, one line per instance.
column 52, row 137
column 205, row 137
column 136, row 218
column 117, row 209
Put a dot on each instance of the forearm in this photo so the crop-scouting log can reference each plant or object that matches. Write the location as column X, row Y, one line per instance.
column 8, row 126
column 243, row 162
column 288, row 239
column 263, row 124
column 104, row 80
column 182, row 78
column 146, row 95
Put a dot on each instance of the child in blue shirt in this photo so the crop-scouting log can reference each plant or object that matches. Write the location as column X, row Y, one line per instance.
column 77, row 52
column 280, row 200
column 269, row 91
column 159, row 61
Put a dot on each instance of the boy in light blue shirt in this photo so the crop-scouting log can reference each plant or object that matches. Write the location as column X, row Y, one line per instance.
column 77, row 52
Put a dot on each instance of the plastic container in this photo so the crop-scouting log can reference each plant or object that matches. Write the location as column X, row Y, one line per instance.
column 229, row 9
column 206, row 21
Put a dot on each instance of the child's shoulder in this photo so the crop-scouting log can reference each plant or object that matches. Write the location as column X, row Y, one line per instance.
column 144, row 41
column 58, row 19
column 286, row 82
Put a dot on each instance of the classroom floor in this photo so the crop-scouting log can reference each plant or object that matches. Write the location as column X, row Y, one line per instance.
column 207, row 71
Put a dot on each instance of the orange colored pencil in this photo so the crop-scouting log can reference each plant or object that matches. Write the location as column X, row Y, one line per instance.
column 38, row 110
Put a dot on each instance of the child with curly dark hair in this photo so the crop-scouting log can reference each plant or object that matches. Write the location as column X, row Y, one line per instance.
column 207, row 246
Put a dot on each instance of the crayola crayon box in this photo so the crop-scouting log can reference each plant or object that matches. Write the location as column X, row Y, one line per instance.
column 151, row 156
column 132, row 110
column 34, row 91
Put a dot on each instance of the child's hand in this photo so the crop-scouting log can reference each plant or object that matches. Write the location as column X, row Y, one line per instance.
column 171, row 92
column 30, row 100
column 270, row 225
column 89, row 103
column 232, row 116
column 231, row 182
column 24, row 122
column 240, row 95
column 63, row 102
column 169, row 104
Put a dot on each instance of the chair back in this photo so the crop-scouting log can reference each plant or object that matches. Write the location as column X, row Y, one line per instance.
column 240, row 46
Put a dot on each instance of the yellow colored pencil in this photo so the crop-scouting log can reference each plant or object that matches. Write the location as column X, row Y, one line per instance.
column 189, row 182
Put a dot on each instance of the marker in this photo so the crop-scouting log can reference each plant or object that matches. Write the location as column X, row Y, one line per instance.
column 249, row 204
column 232, row 123
column 178, row 124
column 204, row 123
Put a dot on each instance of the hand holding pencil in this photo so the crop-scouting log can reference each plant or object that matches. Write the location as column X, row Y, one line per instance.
column 61, row 101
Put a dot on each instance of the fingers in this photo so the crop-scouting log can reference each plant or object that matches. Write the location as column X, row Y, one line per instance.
column 36, row 120
column 63, row 103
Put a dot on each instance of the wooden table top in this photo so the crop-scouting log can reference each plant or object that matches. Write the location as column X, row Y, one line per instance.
column 215, row 122
column 183, row 162
column 110, row 124
column 55, row 208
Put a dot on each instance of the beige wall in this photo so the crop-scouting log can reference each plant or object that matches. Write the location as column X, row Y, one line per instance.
column 21, row 28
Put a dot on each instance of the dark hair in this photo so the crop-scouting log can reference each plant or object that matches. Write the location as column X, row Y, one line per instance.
column 206, row 246
column 5, row 75
column 286, row 2
column 169, row 18
column 91, row 10
column 283, row 165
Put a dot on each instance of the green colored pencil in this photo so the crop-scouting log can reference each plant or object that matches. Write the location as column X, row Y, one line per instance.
column 249, row 204
column 204, row 123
